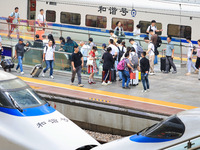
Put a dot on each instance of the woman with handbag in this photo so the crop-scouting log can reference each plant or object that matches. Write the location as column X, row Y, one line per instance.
column 92, row 66
column 119, row 31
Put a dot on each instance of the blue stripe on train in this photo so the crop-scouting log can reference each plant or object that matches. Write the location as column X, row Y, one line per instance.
column 143, row 139
column 34, row 111
column 102, row 30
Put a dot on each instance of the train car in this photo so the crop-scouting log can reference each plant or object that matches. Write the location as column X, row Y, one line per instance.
column 28, row 122
column 176, row 17
column 178, row 132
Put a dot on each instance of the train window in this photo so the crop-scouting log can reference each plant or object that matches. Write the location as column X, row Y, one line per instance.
column 179, row 31
column 127, row 24
column 70, row 18
column 51, row 16
column 171, row 128
column 4, row 101
column 146, row 24
column 96, row 21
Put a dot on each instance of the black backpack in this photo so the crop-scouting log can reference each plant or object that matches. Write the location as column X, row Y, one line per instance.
column 159, row 42
column 121, row 52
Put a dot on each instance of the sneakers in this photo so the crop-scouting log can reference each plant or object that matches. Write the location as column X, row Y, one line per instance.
column 174, row 72
column 22, row 73
column 93, row 82
column 144, row 91
column 43, row 75
column 148, row 90
column 188, row 74
column 128, row 87
column 166, row 72
column 196, row 71
column 80, row 85
column 51, row 77
column 109, row 82
column 17, row 71
column 104, row 83
column 71, row 83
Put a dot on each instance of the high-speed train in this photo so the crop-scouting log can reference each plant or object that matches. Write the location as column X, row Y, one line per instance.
column 178, row 132
column 28, row 122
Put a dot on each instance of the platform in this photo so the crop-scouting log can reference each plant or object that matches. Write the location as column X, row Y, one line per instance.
column 169, row 93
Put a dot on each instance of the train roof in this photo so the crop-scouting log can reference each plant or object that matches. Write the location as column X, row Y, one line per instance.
column 173, row 5
column 6, row 76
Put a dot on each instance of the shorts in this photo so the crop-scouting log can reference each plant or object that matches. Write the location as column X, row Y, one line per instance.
column 90, row 69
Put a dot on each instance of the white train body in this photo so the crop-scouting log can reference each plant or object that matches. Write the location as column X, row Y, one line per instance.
column 27, row 122
column 184, row 125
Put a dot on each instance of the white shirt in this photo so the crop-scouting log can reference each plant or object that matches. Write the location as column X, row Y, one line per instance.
column 154, row 28
column 114, row 38
column 137, row 33
column 151, row 46
column 16, row 15
column 49, row 52
column 114, row 49
column 84, row 50
column 135, row 46
column 190, row 48
column 91, row 45
column 41, row 18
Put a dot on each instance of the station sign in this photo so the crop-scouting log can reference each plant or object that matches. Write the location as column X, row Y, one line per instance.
column 114, row 10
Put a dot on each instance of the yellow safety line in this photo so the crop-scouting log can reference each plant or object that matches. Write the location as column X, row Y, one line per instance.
column 110, row 94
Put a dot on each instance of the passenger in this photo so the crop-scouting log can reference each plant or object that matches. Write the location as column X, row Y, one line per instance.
column 144, row 67
column 124, row 45
column 91, row 43
column 153, row 27
column 41, row 19
column 119, row 31
column 84, row 50
column 62, row 43
column 49, row 58
column 38, row 43
column 51, row 38
column 113, row 36
column 104, row 49
column 154, row 38
column 77, row 64
column 133, row 57
column 121, row 52
column 107, row 65
column 151, row 54
column 14, row 20
column 125, row 72
column 170, row 55
column 69, row 45
column 134, row 44
column 114, row 51
column 189, row 57
column 129, row 50
column 198, row 55
column 137, row 32
column 19, row 54
column 1, row 49
column 92, row 66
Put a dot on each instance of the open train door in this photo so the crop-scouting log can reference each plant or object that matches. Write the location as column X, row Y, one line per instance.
column 31, row 15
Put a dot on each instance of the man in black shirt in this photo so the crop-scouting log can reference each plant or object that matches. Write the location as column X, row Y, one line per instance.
column 77, row 64
column 144, row 66
column 38, row 43
column 19, row 54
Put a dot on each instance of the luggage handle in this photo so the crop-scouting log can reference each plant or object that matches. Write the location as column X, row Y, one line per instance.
column 163, row 52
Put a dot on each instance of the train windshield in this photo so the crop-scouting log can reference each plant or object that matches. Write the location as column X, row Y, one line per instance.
column 19, row 94
column 171, row 128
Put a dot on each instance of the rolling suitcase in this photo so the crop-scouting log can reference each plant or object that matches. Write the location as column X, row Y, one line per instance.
column 113, row 75
column 134, row 81
column 7, row 64
column 162, row 62
column 36, row 70
column 103, row 74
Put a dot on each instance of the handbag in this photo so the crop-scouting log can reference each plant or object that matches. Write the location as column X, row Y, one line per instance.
column 89, row 61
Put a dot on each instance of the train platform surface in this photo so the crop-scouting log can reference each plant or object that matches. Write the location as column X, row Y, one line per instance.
column 169, row 93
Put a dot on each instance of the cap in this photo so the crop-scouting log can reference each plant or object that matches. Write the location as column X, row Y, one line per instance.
column 103, row 45
column 20, row 39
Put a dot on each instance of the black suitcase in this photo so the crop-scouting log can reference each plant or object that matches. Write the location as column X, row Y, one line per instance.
column 36, row 70
column 7, row 64
column 162, row 63
column 113, row 75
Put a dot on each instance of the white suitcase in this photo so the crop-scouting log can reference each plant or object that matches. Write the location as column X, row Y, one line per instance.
column 134, row 76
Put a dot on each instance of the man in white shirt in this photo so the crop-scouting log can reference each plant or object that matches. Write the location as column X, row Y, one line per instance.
column 134, row 44
column 137, row 32
column 14, row 19
column 189, row 57
column 153, row 27
column 41, row 19
column 113, row 36
column 151, row 53
column 49, row 58
column 84, row 49
column 114, row 51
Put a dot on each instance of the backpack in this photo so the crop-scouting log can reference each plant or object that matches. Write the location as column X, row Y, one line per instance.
column 121, row 52
column 159, row 42
column 121, row 65
column 139, row 50
column 134, row 60
column 194, row 50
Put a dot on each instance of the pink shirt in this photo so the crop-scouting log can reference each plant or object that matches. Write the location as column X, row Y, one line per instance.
column 198, row 51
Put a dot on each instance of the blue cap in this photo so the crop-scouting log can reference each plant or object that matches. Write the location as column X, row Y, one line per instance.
column 103, row 45
column 20, row 39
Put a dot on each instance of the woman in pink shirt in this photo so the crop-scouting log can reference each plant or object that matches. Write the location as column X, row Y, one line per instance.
column 198, row 55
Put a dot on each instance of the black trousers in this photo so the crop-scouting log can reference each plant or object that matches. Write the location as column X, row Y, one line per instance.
column 169, row 62
column 197, row 63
